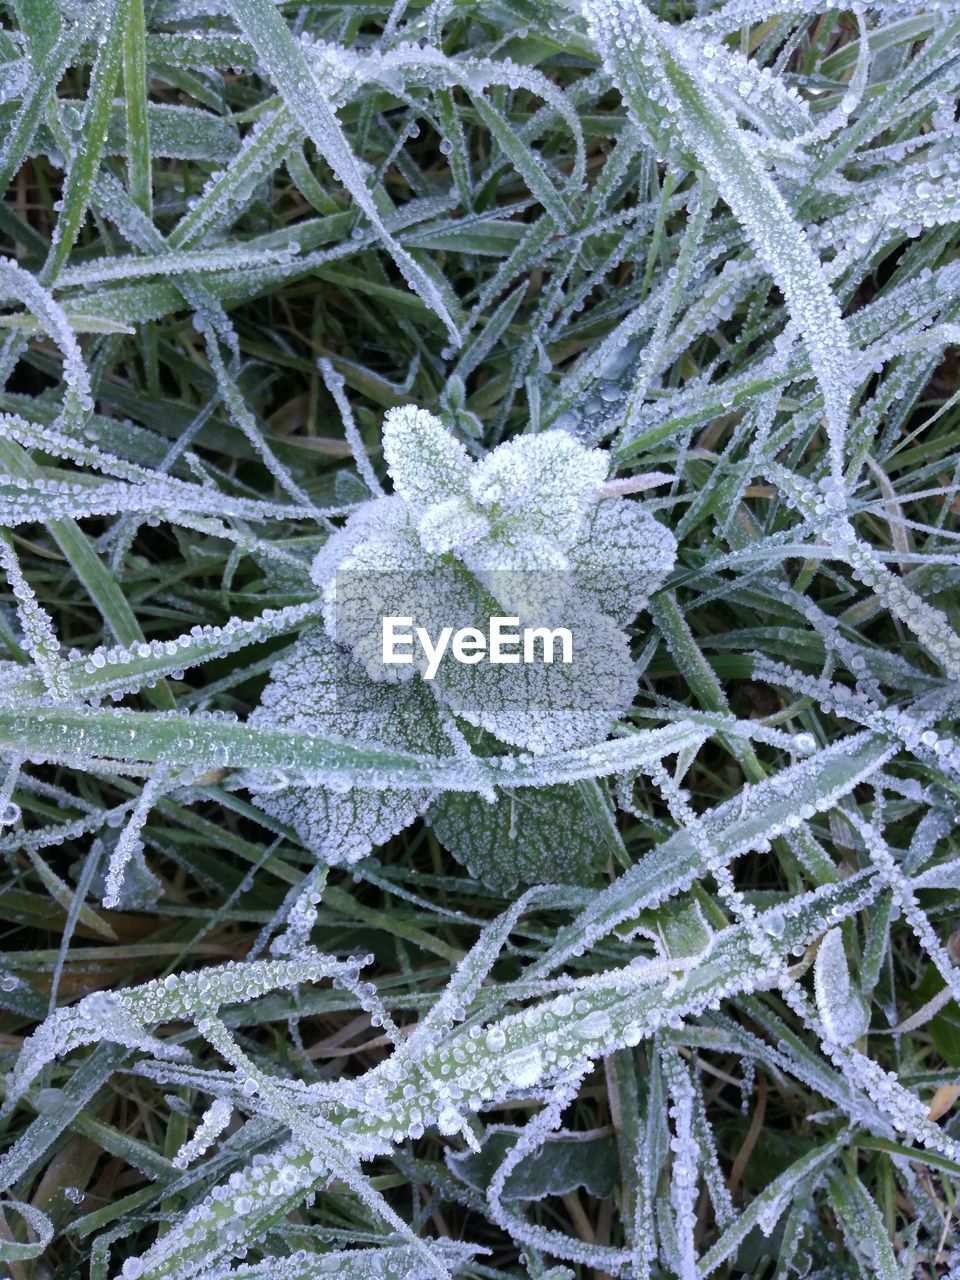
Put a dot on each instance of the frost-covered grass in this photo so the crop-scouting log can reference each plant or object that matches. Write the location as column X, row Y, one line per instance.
column 317, row 311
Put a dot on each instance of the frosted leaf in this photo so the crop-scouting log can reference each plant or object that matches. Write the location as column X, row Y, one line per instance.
column 256, row 1195
column 335, row 384
column 903, row 1108
column 930, row 625
column 504, row 479
column 20, row 284
column 213, row 1122
column 129, row 847
column 545, row 707
column 528, row 537
column 732, row 828
column 14, row 1251
column 299, row 911
column 384, row 517
column 301, row 88
column 395, row 1262
column 713, row 1174
column 623, row 555
column 542, row 484
column 332, row 1151
column 530, row 1140
column 470, row 973
column 229, row 191
column 375, row 567
column 517, row 508
column 945, row 875
column 216, row 328
column 766, row 1208
column 678, row 928
column 140, row 888
column 514, row 511
column 124, row 1016
column 374, row 583
column 566, row 1161
column 539, row 706
column 15, row 79
column 426, row 463
column 316, row 686
column 534, row 835
column 527, row 574
column 686, row 1162
column 863, row 1226
column 722, row 19
column 38, row 630
column 451, row 525
column 842, row 1009
column 101, row 1016
column 768, row 102
column 128, row 267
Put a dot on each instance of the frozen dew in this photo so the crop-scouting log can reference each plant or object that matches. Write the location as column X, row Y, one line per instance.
column 625, row 554
column 523, row 1067
column 495, row 1039
column 426, row 463
column 129, row 846
column 842, row 1009
column 215, row 1119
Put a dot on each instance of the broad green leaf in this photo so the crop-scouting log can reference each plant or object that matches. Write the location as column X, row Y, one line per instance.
column 623, row 556
column 564, row 1163
column 317, row 690
column 529, row 835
